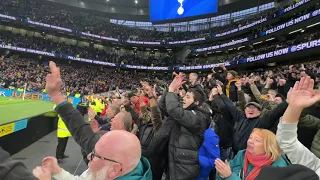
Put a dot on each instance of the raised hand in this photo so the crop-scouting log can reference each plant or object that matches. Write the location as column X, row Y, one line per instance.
column 95, row 126
column 219, row 89
column 213, row 71
column 269, row 81
column 148, row 89
column 214, row 91
column 291, row 66
column 53, row 80
column 251, row 81
column 139, row 93
column 302, row 95
column 177, row 82
column 282, row 82
column 223, row 168
column 91, row 113
column 51, row 164
column 124, row 100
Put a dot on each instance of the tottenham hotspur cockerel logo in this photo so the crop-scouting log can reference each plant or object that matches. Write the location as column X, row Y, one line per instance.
column 180, row 9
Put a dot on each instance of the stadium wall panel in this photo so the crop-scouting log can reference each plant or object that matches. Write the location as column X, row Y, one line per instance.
column 37, row 128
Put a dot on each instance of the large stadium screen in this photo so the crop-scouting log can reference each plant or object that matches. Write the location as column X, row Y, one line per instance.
column 166, row 10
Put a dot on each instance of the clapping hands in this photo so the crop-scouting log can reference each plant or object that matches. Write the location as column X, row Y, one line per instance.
column 177, row 82
column 223, row 168
column 49, row 166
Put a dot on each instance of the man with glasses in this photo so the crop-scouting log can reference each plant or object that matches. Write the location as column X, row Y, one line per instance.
column 119, row 161
column 116, row 155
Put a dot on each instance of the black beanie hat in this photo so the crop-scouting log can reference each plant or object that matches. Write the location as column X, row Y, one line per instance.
column 281, row 96
column 291, row 172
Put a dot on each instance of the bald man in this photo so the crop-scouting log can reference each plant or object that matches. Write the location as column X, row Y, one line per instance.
column 120, row 161
column 118, row 121
column 89, row 141
column 121, row 121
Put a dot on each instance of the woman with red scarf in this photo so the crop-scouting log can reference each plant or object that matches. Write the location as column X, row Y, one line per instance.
column 262, row 150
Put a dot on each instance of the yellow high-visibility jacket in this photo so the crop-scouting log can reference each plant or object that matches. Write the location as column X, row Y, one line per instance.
column 62, row 131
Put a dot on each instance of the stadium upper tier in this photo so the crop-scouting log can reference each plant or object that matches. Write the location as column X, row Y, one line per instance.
column 45, row 14
column 301, row 41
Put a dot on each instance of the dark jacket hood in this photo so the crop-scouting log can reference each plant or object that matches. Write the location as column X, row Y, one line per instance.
column 11, row 169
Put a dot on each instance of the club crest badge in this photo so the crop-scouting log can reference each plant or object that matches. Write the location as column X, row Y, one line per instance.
column 180, row 10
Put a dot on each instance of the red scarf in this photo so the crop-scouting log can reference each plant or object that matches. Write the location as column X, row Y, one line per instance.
column 258, row 162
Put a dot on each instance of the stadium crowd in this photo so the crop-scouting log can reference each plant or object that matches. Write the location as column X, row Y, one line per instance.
column 252, row 125
column 16, row 71
column 50, row 13
column 223, row 125
column 38, row 43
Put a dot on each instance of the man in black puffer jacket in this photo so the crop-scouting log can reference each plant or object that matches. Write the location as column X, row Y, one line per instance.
column 186, row 137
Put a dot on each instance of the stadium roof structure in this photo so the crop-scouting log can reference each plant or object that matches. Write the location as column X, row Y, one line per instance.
column 138, row 10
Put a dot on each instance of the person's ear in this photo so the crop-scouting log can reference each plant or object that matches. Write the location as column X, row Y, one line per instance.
column 114, row 171
column 122, row 125
column 196, row 103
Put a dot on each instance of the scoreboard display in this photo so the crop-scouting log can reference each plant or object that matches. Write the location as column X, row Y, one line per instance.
column 166, row 10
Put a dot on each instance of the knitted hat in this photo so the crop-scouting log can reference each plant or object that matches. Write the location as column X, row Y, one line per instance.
column 291, row 172
column 281, row 96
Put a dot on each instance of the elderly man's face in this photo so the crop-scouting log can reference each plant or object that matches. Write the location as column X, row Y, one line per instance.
column 110, row 113
column 99, row 167
column 252, row 112
column 116, row 122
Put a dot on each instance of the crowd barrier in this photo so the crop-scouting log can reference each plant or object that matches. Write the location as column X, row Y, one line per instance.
column 13, row 127
column 33, row 96
column 21, row 134
column 213, row 36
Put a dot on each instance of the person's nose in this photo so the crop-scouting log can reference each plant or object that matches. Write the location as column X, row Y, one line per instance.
column 250, row 142
column 89, row 157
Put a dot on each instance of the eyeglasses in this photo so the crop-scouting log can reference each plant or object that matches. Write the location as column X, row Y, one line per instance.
column 94, row 154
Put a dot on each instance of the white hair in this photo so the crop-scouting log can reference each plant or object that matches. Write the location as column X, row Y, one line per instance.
column 100, row 175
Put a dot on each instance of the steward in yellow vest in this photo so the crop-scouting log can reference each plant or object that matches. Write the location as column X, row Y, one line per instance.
column 63, row 134
column 77, row 95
